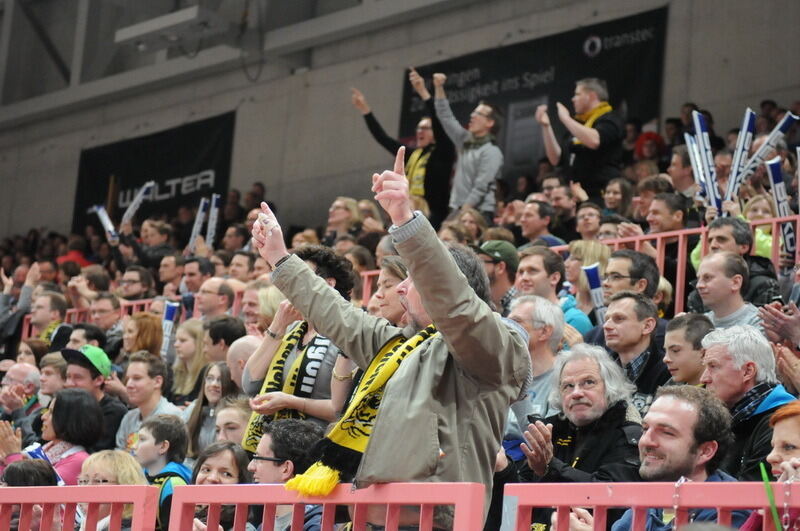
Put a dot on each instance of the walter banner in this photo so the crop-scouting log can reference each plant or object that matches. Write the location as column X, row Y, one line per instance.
column 627, row 53
column 186, row 163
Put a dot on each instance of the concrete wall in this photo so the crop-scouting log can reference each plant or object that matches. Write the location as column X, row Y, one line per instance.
column 300, row 135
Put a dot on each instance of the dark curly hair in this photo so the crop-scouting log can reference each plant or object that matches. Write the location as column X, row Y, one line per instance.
column 330, row 265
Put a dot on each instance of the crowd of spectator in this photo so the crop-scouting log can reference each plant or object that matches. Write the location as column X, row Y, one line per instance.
column 539, row 378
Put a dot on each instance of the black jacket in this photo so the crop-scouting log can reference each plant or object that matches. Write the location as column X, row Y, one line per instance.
column 753, row 438
column 440, row 164
column 604, row 451
column 762, row 288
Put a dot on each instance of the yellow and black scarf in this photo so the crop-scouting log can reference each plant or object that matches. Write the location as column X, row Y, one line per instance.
column 415, row 171
column 299, row 383
column 589, row 118
column 341, row 450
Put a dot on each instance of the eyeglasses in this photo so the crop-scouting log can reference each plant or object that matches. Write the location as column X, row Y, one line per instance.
column 613, row 277
column 98, row 481
column 478, row 113
column 270, row 459
column 127, row 282
column 424, row 128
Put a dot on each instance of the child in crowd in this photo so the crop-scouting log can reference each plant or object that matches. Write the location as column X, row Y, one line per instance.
column 161, row 449
column 233, row 414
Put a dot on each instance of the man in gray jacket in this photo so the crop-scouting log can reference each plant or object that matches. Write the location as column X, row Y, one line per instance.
column 443, row 410
column 479, row 159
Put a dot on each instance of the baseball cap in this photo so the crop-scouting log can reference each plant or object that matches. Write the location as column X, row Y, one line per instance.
column 501, row 251
column 89, row 356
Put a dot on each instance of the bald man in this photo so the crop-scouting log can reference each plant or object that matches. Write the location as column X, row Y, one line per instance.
column 238, row 354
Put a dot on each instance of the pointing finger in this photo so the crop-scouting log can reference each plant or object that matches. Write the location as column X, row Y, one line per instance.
column 400, row 161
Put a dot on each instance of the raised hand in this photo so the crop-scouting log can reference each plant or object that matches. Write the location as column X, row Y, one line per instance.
column 268, row 236
column 418, row 83
column 439, row 79
column 391, row 190
column 359, row 101
column 286, row 315
column 8, row 282
column 563, row 112
column 34, row 276
column 541, row 116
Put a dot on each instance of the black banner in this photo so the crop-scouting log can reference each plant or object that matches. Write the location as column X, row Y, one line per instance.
column 186, row 162
column 627, row 53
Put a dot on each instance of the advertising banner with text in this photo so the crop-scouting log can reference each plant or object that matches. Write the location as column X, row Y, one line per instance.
column 627, row 53
column 186, row 163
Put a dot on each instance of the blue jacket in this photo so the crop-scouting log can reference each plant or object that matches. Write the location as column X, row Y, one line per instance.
column 655, row 516
column 753, row 438
column 573, row 316
column 171, row 476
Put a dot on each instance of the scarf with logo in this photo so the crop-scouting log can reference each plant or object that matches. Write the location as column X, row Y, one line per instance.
column 300, row 382
column 341, row 450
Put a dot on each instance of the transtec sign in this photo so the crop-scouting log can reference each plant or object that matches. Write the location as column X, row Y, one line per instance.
column 627, row 53
column 186, row 163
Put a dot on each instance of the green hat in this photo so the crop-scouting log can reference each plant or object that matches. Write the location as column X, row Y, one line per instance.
column 91, row 354
column 501, row 251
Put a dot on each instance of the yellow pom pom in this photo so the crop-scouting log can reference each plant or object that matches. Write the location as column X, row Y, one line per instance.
column 318, row 480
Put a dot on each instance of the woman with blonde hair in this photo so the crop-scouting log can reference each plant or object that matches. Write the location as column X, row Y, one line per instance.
column 473, row 221
column 111, row 467
column 758, row 207
column 585, row 253
column 344, row 217
column 269, row 299
column 190, row 359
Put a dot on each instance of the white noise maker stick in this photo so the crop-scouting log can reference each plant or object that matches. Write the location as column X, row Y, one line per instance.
column 198, row 223
column 743, row 143
column 211, row 229
column 127, row 217
column 782, row 204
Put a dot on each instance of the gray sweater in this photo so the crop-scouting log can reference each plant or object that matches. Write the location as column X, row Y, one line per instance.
column 476, row 168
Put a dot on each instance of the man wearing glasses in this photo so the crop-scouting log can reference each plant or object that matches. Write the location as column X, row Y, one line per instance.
column 629, row 271
column 595, row 434
column 479, row 161
column 105, row 313
column 283, row 452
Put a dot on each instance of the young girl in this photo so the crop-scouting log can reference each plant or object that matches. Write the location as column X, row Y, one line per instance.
column 200, row 416
column 189, row 362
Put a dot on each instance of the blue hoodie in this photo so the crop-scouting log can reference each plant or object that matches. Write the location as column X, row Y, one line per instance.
column 573, row 316
column 171, row 476
column 655, row 517
column 777, row 397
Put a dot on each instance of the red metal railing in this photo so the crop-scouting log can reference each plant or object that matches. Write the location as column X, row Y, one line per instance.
column 466, row 498
column 58, row 504
column 659, row 241
column 724, row 497
column 368, row 278
column 131, row 307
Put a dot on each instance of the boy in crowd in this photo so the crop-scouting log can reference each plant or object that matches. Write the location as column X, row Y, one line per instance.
column 161, row 449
